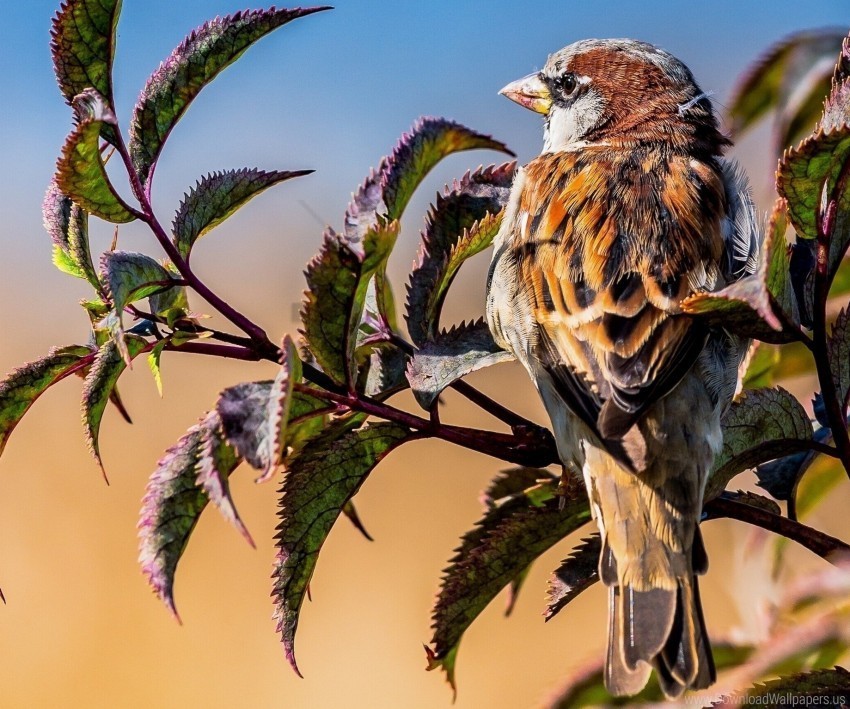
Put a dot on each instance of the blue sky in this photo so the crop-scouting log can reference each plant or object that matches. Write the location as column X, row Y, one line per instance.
column 333, row 92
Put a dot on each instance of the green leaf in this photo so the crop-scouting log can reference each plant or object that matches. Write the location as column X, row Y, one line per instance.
column 190, row 472
column 459, row 225
column 578, row 572
column 777, row 73
column 322, row 478
column 153, row 362
column 760, row 426
column 503, row 544
column 80, row 172
column 451, row 356
column 198, row 60
column 838, row 347
column 429, row 141
column 215, row 197
column 83, row 48
column 761, row 364
column 22, row 386
column 383, row 374
column 68, row 226
column 261, row 419
column 514, row 481
column 818, row 484
column 818, row 684
column 750, row 306
column 131, row 276
column 216, row 460
column 100, row 382
column 836, row 110
column 338, row 280
column 810, row 173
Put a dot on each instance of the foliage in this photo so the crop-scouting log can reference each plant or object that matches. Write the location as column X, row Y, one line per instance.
column 326, row 416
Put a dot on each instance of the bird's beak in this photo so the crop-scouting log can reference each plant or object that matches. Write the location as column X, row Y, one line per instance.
column 530, row 91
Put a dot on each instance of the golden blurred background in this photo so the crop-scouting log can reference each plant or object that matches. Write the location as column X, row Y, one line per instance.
column 81, row 628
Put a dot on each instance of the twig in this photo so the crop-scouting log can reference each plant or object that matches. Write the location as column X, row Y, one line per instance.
column 823, row 545
column 480, row 399
column 254, row 331
column 531, row 449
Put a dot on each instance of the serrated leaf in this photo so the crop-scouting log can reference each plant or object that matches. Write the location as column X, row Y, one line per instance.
column 307, row 416
column 384, row 373
column 817, row 684
column 322, row 478
column 476, row 198
column 501, row 546
column 174, row 499
column 21, row 387
column 750, row 306
column 153, row 362
column 578, row 572
column 277, row 413
column 772, row 78
column 808, row 176
column 760, row 367
column 838, row 347
column 261, row 419
column 68, row 227
column 350, row 511
column 792, row 78
column 451, row 356
column 217, row 459
column 83, row 46
column 215, row 197
column 131, row 276
column 338, row 281
column 80, row 172
column 836, row 110
column 429, row 141
column 818, row 484
column 107, row 367
column 198, row 60
column 760, row 426
column 513, row 481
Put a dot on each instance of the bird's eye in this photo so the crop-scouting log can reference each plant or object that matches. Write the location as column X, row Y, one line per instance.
column 567, row 83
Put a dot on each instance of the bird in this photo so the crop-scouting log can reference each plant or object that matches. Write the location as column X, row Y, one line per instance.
column 630, row 208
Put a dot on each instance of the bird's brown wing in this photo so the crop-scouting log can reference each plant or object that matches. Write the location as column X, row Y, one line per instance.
column 608, row 243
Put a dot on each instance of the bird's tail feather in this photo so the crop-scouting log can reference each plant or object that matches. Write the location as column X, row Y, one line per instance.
column 658, row 628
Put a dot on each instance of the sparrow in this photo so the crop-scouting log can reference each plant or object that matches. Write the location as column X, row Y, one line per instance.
column 630, row 208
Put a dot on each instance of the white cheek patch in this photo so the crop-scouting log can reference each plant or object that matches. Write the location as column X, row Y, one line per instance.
column 568, row 125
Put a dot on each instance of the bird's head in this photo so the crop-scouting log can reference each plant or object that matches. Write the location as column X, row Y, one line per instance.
column 617, row 90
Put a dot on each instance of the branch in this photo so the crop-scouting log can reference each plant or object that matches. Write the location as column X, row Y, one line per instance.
column 531, row 447
column 823, row 545
column 214, row 350
column 254, row 331
column 480, row 399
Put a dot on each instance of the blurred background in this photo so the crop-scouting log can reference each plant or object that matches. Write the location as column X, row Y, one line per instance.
column 331, row 92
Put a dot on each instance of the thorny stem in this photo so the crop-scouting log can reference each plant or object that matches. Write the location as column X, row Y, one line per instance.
column 821, row 544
